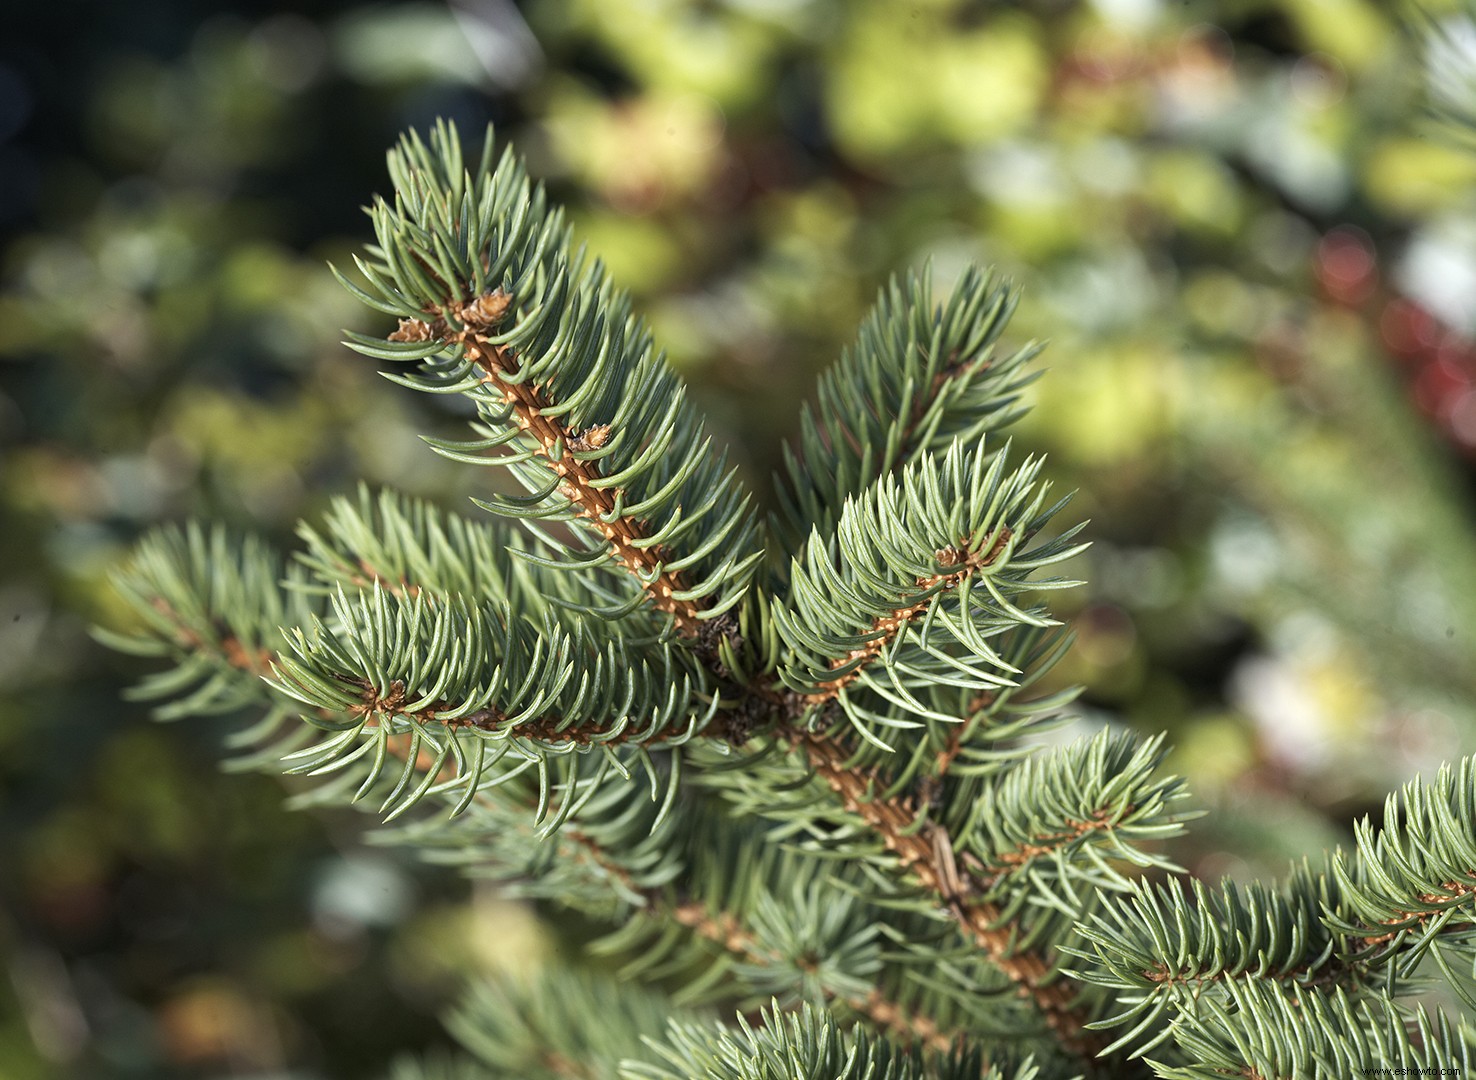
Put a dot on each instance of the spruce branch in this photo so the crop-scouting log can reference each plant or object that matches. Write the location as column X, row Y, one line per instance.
column 1018, row 911
column 954, row 567
column 1163, row 948
column 920, row 572
column 769, row 923
column 557, row 682
column 768, row 954
column 1265, row 1031
column 919, row 378
column 927, row 854
column 809, row 1044
column 569, row 455
column 939, row 577
column 574, row 847
column 1094, row 804
column 1413, row 880
column 197, row 592
column 749, row 938
column 1011, row 914
column 880, row 830
column 559, row 1024
column 569, row 390
column 184, row 582
column 766, row 950
column 213, row 606
column 1349, row 935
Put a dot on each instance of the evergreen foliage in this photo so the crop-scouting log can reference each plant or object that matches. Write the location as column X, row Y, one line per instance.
column 802, row 769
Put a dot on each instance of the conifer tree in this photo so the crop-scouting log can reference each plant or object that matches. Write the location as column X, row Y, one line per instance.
column 801, row 770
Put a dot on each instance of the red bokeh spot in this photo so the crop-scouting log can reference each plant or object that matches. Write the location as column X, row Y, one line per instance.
column 1346, row 267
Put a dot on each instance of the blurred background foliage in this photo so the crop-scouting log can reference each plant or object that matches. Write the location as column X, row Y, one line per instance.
column 1254, row 259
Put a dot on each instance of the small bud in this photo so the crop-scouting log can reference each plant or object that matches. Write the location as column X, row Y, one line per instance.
column 486, row 311
column 590, row 438
column 413, row 330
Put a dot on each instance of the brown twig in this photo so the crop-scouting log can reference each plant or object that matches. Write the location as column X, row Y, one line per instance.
column 232, row 649
column 908, row 1028
column 546, row 727
column 1005, row 861
column 579, row 480
column 925, row 854
column 957, row 566
column 723, row 930
column 1452, row 890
